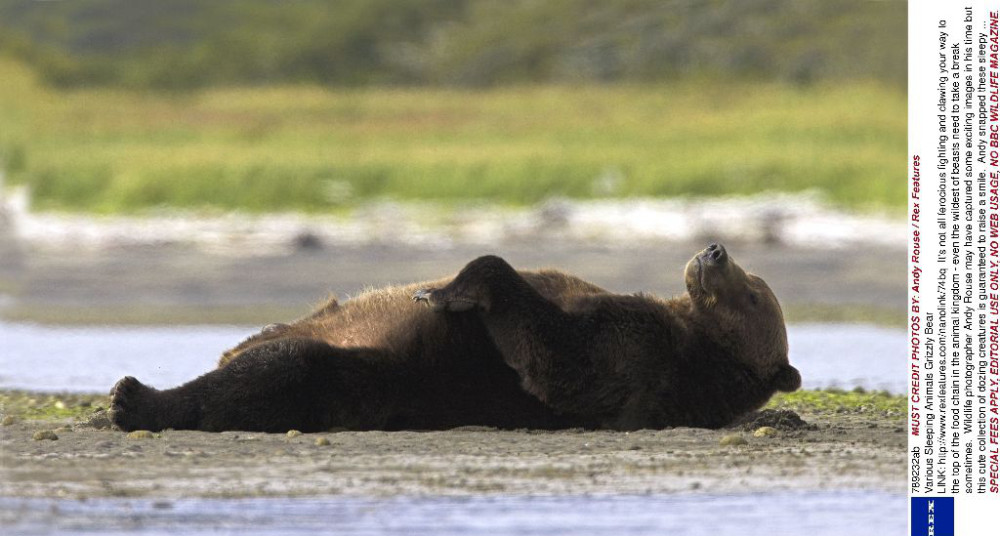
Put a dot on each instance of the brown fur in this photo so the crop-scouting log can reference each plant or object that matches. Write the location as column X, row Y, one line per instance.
column 496, row 347
column 387, row 317
column 701, row 359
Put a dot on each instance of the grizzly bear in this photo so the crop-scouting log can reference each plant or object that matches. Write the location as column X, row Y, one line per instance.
column 496, row 347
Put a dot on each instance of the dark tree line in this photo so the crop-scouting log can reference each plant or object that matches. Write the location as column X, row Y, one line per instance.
column 177, row 44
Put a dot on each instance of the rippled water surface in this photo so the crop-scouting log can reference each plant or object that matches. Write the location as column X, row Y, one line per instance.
column 772, row 514
column 48, row 358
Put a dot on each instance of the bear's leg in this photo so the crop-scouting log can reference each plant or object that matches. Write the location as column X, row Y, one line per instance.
column 271, row 332
column 299, row 384
column 266, row 333
column 547, row 346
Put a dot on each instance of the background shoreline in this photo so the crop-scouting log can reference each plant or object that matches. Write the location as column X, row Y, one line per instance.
column 243, row 269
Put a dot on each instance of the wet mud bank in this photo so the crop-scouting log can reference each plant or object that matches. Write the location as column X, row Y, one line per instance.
column 836, row 450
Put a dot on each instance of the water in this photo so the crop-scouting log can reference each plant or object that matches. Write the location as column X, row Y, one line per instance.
column 817, row 513
column 91, row 359
column 849, row 355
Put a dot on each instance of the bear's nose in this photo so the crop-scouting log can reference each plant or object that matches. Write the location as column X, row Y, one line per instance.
column 716, row 252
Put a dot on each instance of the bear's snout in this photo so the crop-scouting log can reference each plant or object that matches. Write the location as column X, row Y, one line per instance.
column 715, row 253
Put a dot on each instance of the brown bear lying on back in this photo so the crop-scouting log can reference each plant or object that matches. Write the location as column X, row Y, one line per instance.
column 496, row 347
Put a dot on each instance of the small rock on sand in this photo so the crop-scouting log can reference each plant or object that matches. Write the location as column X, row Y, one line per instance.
column 293, row 433
column 779, row 419
column 140, row 434
column 100, row 420
column 732, row 440
column 42, row 435
column 322, row 442
column 8, row 420
column 765, row 431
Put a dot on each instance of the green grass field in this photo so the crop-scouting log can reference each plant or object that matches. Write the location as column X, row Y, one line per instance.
column 313, row 149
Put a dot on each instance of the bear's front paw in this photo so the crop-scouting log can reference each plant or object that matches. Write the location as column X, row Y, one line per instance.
column 129, row 403
column 440, row 300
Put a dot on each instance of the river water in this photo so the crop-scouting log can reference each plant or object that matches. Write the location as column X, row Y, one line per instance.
column 91, row 359
column 816, row 513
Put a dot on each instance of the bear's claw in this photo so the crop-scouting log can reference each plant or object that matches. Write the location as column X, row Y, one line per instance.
column 435, row 299
column 423, row 295
column 427, row 295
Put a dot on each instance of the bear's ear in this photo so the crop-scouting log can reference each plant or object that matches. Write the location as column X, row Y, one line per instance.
column 787, row 379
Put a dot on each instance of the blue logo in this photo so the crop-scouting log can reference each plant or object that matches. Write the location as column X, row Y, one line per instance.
column 932, row 516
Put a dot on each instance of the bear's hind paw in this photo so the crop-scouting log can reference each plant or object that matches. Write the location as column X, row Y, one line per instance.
column 127, row 397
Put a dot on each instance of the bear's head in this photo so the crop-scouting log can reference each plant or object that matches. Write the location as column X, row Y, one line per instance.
column 743, row 313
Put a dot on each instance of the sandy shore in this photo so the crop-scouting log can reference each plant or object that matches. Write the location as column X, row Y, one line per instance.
column 840, row 451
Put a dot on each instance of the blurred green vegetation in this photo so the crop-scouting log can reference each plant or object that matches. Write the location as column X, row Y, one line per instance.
column 190, row 43
column 36, row 406
column 262, row 105
column 312, row 148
